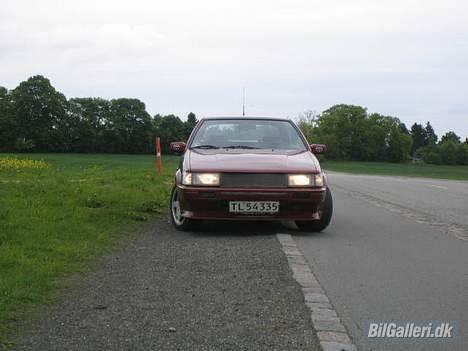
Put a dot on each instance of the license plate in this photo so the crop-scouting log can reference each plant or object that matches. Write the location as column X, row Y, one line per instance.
column 253, row 206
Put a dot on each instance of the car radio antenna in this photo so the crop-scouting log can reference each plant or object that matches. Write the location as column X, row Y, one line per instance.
column 243, row 102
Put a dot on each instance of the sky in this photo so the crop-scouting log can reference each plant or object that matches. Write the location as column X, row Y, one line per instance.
column 403, row 58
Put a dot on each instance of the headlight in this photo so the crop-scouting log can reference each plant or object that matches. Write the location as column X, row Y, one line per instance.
column 305, row 180
column 203, row 179
column 300, row 180
column 206, row 179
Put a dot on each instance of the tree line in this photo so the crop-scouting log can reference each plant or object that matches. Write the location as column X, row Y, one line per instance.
column 352, row 133
column 35, row 117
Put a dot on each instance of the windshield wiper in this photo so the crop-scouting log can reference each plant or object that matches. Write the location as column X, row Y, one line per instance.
column 204, row 147
column 240, row 147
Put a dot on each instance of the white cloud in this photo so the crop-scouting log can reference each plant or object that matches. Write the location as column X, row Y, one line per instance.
column 401, row 57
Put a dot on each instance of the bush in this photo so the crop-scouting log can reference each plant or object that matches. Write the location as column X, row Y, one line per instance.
column 447, row 152
column 432, row 157
column 420, row 152
column 23, row 145
column 461, row 154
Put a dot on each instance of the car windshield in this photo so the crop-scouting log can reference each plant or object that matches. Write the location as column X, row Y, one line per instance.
column 247, row 134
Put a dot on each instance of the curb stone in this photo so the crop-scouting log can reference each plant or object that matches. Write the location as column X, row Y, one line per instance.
column 330, row 330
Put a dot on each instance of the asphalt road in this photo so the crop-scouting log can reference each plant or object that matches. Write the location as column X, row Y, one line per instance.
column 227, row 287
column 396, row 250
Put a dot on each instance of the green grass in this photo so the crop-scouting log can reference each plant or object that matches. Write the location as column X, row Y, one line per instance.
column 398, row 169
column 54, row 221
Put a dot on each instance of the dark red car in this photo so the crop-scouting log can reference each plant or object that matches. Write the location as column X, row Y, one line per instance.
column 250, row 169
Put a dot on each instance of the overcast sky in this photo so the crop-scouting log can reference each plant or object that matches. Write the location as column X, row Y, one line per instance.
column 404, row 58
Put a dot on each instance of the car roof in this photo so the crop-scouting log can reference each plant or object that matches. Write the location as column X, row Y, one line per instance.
column 248, row 118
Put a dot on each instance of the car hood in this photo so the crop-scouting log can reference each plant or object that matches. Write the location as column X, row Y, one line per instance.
column 252, row 162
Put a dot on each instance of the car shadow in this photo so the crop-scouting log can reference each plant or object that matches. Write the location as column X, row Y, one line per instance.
column 238, row 228
column 298, row 233
column 249, row 228
column 291, row 228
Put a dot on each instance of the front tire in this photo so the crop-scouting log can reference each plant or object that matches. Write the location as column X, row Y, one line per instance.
column 325, row 217
column 178, row 221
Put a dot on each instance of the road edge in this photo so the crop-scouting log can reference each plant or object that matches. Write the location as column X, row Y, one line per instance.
column 330, row 330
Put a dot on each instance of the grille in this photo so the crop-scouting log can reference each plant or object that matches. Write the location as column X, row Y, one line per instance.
column 246, row 180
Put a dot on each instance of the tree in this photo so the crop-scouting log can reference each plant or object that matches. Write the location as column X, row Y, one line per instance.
column 461, row 154
column 190, row 124
column 448, row 152
column 351, row 133
column 168, row 128
column 34, row 116
column 347, row 124
column 308, row 122
column 418, row 134
column 379, row 130
column 450, row 136
column 399, row 145
column 91, row 118
column 40, row 114
column 310, row 117
column 431, row 137
column 403, row 128
column 432, row 157
column 129, row 127
column 7, row 121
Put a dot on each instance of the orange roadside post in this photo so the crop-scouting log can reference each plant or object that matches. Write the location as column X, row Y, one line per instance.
column 158, row 156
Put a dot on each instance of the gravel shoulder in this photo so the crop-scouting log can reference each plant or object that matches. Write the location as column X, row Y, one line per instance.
column 227, row 287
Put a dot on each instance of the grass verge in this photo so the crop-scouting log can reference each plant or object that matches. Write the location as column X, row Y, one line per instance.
column 55, row 219
column 398, row 169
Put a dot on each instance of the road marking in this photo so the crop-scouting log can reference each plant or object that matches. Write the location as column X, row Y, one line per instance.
column 330, row 330
column 438, row 186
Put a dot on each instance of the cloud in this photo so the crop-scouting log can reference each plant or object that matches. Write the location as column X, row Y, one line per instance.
column 406, row 58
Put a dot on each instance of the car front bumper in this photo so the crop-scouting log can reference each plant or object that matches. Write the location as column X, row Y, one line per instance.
column 213, row 203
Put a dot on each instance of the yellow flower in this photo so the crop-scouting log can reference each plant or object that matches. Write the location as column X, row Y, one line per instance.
column 15, row 163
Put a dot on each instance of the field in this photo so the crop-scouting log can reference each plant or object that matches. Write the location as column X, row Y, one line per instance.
column 399, row 169
column 59, row 214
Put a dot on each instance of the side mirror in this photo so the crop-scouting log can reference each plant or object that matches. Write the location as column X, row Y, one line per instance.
column 318, row 148
column 177, row 146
